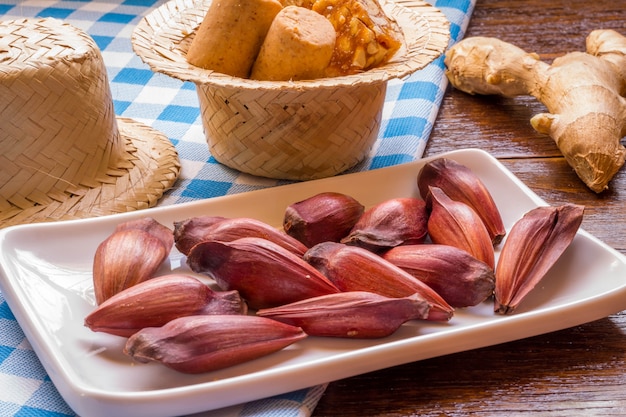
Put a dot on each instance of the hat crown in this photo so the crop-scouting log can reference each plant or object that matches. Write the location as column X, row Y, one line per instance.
column 58, row 129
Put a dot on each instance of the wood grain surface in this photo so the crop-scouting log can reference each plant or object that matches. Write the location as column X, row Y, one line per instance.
column 580, row 371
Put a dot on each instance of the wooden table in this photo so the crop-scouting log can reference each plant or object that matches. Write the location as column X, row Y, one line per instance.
column 579, row 371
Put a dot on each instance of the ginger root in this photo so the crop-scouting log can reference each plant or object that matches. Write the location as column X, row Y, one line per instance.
column 583, row 92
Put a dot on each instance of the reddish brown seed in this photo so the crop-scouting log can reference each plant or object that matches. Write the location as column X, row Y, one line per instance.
column 152, row 226
column 154, row 302
column 352, row 268
column 394, row 222
column 457, row 276
column 324, row 217
column 198, row 344
column 356, row 314
column 534, row 244
column 456, row 224
column 126, row 258
column 460, row 183
column 193, row 230
column 197, row 230
column 264, row 273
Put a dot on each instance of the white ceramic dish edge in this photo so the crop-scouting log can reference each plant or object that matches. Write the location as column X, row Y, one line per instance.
column 331, row 359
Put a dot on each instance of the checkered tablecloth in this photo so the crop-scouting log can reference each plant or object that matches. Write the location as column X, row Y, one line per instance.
column 171, row 106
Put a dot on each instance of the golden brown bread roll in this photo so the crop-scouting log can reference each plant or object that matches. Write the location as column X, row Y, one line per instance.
column 298, row 46
column 231, row 34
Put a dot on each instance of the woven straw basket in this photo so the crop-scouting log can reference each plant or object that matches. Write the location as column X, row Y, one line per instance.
column 63, row 152
column 296, row 130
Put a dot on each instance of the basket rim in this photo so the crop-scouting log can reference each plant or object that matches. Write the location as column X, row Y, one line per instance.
column 156, row 39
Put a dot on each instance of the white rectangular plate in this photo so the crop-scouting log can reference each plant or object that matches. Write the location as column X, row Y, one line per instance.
column 46, row 279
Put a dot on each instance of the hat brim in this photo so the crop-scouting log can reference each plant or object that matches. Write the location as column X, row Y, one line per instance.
column 148, row 168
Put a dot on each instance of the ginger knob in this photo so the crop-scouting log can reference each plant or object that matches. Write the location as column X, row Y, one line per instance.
column 583, row 92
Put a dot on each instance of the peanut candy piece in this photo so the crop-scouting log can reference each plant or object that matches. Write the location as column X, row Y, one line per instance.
column 366, row 36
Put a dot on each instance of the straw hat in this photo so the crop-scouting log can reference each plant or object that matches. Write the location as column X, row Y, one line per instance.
column 64, row 154
column 294, row 130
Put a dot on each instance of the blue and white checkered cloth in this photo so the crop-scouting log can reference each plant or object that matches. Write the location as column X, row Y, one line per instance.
column 171, row 106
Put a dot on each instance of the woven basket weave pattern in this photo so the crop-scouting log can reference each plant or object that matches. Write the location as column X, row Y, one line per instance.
column 291, row 134
column 52, row 146
column 289, row 130
column 63, row 152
